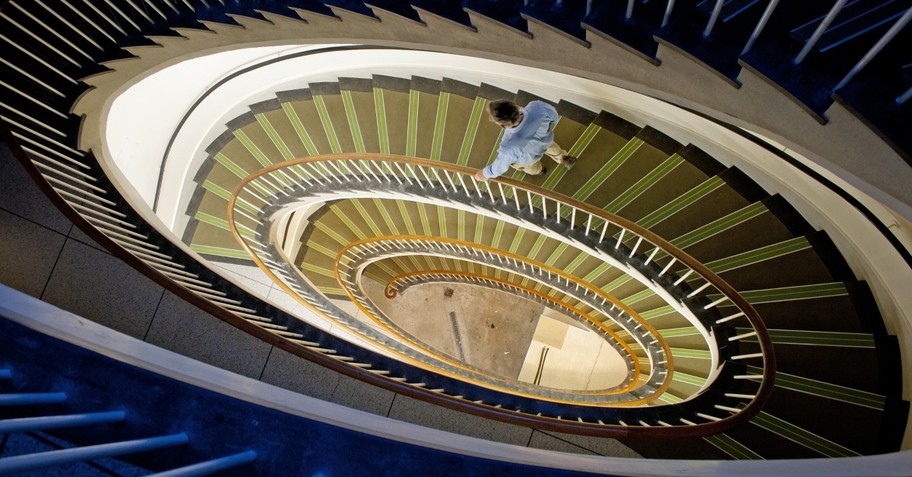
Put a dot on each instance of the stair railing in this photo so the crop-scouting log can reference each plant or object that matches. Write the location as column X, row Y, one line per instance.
column 628, row 246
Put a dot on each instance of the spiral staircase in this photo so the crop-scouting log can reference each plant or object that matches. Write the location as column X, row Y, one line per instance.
column 743, row 327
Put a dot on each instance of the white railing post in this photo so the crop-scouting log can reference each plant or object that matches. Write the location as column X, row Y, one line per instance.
column 717, row 9
column 760, row 26
column 819, row 32
column 889, row 35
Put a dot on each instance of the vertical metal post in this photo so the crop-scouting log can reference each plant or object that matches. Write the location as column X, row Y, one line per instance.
column 28, row 462
column 56, row 422
column 210, row 466
column 760, row 25
column 904, row 97
column 819, row 32
column 22, row 399
column 629, row 13
column 717, row 9
column 889, row 35
column 668, row 9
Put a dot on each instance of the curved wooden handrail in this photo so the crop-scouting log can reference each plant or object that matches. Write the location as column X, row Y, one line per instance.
column 748, row 311
column 532, row 263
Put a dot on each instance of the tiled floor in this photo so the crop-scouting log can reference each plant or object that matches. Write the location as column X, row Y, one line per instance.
column 42, row 256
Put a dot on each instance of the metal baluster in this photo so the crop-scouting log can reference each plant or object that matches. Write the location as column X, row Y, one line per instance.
column 889, row 35
column 29, row 462
column 717, row 9
column 760, row 26
column 668, row 9
column 819, row 32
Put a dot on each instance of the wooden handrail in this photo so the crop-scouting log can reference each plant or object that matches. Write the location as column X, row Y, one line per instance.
column 749, row 313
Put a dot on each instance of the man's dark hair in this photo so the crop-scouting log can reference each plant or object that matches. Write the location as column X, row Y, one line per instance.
column 503, row 111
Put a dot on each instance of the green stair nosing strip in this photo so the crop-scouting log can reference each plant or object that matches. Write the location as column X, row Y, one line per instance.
column 679, row 332
column 690, row 353
column 479, row 228
column 605, row 172
column 818, row 338
column 300, row 130
column 252, row 148
column 329, row 231
column 232, row 167
column 556, row 253
column 359, row 206
column 322, row 249
column 642, row 185
column 638, row 296
column 406, row 217
column 758, row 255
column 353, row 123
column 730, row 446
column 599, row 270
column 328, row 127
column 720, row 225
column 498, row 235
column 220, row 251
column 670, row 399
column 411, row 141
column 387, row 218
column 575, row 263
column 382, row 130
column 691, row 379
column 681, row 202
column 801, row 436
column 798, row 292
column 351, row 224
column 214, row 221
column 442, row 222
column 468, row 139
column 443, row 103
column 320, row 270
column 275, row 137
column 226, row 195
column 425, row 220
column 460, row 225
column 657, row 312
column 826, row 390
column 517, row 240
column 537, row 247
column 617, row 282
column 584, row 140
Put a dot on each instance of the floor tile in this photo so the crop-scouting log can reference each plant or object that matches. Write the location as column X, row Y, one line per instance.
column 20, row 195
column 426, row 414
column 183, row 328
column 359, row 395
column 296, row 374
column 102, row 288
column 24, row 266
column 597, row 445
